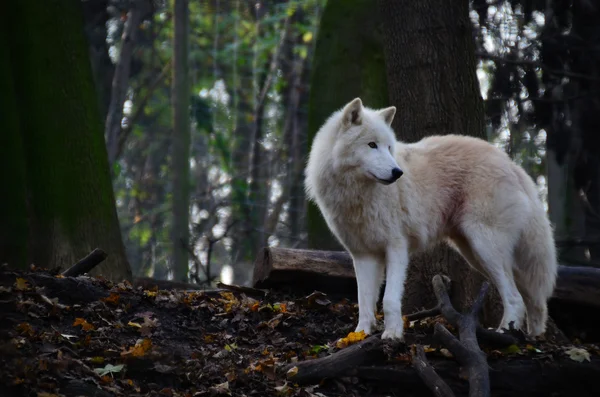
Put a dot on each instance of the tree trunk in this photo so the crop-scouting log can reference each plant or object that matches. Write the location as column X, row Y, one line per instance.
column 96, row 17
column 70, row 202
column 348, row 63
column 430, row 60
column 120, row 81
column 181, row 142
column 13, row 211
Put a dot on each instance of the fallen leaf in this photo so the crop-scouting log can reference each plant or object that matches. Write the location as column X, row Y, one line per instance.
column 221, row 388
column 21, row 284
column 113, row 299
column 291, row 372
column 578, row 354
column 136, row 325
column 352, row 337
column 446, row 353
column 109, row 369
column 25, row 328
column 512, row 349
column 139, row 349
column 84, row 324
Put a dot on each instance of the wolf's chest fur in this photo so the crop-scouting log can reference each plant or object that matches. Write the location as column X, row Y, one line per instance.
column 360, row 218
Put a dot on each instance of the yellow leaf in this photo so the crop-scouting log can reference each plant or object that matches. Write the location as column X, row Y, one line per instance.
column 21, row 284
column 132, row 324
column 151, row 294
column 352, row 337
column 307, row 37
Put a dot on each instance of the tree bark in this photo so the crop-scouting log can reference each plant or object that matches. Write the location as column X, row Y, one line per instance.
column 120, row 81
column 70, row 202
column 13, row 211
column 181, row 142
column 430, row 63
column 348, row 63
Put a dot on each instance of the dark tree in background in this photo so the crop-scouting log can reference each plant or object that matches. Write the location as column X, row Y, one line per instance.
column 54, row 134
column 544, row 69
column 430, row 62
column 180, row 153
column 348, row 63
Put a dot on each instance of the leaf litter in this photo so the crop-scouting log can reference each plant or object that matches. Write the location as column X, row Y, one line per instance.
column 136, row 342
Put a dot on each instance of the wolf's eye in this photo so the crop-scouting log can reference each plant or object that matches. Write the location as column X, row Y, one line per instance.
column 373, row 145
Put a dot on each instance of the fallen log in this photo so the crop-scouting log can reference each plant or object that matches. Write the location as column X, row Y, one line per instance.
column 327, row 271
column 523, row 377
column 332, row 272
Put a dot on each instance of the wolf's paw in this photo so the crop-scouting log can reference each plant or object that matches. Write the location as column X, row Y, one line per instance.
column 365, row 326
column 394, row 333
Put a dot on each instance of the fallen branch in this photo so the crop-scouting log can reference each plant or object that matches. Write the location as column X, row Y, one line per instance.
column 487, row 336
column 245, row 290
column 466, row 349
column 428, row 375
column 365, row 352
column 86, row 264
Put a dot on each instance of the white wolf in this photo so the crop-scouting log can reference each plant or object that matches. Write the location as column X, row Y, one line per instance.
column 457, row 189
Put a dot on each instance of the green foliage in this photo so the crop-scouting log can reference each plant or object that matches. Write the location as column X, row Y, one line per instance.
column 229, row 50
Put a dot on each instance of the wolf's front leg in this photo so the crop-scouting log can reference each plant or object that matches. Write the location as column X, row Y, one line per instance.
column 396, row 266
column 369, row 276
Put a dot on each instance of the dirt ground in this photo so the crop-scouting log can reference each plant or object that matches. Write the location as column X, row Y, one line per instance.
column 71, row 337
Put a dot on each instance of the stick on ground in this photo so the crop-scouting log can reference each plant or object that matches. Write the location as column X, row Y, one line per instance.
column 86, row 264
column 428, row 375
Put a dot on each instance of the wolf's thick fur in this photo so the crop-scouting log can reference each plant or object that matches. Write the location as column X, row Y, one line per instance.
column 457, row 189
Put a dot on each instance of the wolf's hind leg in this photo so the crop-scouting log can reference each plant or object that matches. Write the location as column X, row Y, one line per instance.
column 493, row 251
column 369, row 276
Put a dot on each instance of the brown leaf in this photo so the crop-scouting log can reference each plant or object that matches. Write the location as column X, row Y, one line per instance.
column 84, row 324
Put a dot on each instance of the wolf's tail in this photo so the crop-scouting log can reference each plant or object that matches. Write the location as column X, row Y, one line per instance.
column 536, row 267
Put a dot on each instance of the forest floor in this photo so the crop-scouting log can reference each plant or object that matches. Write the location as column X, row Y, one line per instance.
column 91, row 337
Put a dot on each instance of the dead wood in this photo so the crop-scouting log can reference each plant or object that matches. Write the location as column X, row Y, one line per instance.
column 466, row 348
column 428, row 375
column 578, row 284
column 327, row 271
column 333, row 272
column 365, row 352
column 487, row 336
column 69, row 289
column 523, row 377
column 151, row 283
column 86, row 264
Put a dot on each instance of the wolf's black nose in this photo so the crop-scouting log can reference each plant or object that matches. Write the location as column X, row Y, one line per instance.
column 396, row 173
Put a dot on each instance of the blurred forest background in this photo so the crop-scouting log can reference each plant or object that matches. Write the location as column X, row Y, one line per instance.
column 249, row 81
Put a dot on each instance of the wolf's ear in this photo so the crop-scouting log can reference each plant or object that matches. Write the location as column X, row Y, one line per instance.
column 388, row 114
column 352, row 113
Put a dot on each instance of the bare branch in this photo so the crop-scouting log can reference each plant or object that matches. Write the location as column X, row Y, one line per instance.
column 428, row 375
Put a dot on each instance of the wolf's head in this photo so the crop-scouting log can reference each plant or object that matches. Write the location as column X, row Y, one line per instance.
column 365, row 143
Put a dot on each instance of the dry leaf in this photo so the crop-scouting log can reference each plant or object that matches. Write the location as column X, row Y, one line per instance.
column 291, row 372
column 579, row 355
column 21, row 284
column 113, row 299
column 84, row 324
